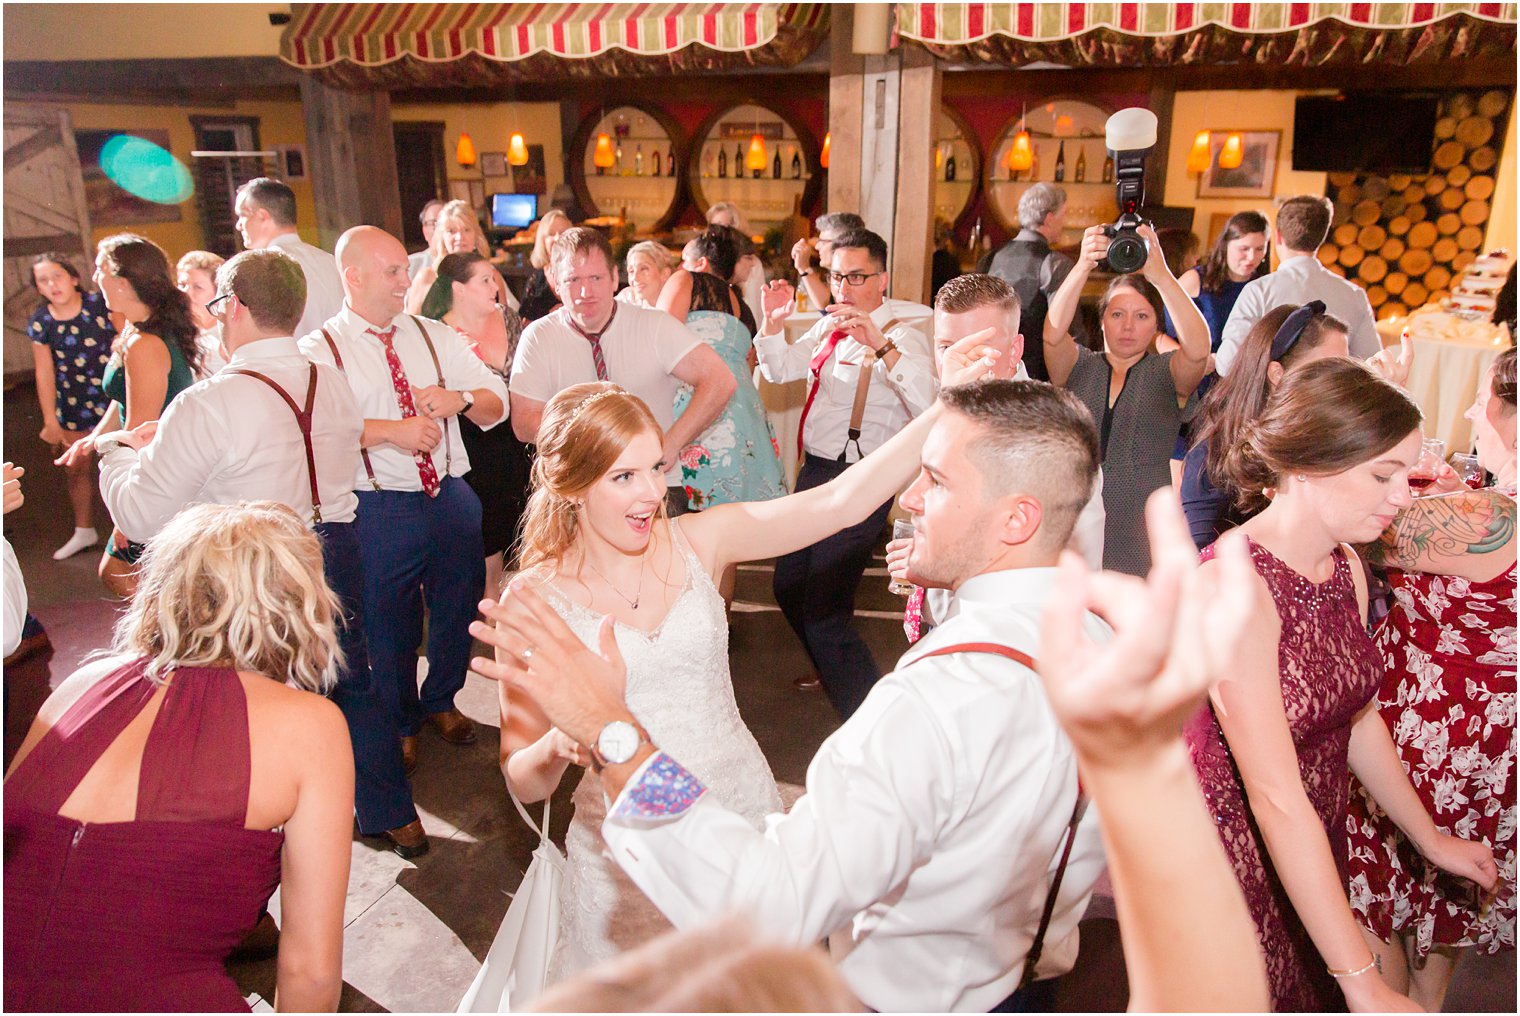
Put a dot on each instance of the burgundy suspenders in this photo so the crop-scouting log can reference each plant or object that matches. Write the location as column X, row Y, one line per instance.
column 303, row 420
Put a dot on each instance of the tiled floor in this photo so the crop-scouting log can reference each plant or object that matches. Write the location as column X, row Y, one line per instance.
column 416, row 931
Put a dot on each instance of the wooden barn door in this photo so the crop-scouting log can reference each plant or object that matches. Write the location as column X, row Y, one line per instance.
column 44, row 211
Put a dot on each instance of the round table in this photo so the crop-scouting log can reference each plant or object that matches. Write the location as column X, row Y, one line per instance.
column 1451, row 357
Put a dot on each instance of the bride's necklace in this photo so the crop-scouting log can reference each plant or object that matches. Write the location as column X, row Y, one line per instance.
column 638, row 593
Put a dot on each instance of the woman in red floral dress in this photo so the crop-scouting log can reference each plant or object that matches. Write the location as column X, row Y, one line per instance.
column 1448, row 697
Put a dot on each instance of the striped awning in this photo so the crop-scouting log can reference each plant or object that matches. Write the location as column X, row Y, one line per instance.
column 386, row 42
column 1116, row 34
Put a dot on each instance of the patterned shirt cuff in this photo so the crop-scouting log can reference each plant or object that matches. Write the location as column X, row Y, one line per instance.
column 661, row 789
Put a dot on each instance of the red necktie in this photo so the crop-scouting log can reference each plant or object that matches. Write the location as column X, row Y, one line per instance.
column 595, row 338
column 408, row 406
column 815, row 366
column 913, row 616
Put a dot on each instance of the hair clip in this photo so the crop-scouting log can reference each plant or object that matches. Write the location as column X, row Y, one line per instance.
column 1293, row 328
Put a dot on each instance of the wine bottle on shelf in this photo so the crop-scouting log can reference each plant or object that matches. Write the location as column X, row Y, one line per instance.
column 1060, row 175
column 638, row 159
column 1081, row 168
column 950, row 167
column 619, row 156
column 722, row 163
column 1034, row 163
column 796, row 164
column 776, row 164
column 1108, row 169
column 739, row 161
column 670, row 161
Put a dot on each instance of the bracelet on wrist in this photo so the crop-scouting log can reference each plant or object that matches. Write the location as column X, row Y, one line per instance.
column 1376, row 963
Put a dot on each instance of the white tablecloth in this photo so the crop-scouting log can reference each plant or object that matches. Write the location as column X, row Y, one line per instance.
column 783, row 403
column 1451, row 356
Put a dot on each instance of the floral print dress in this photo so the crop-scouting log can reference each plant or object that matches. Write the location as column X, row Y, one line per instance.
column 81, row 347
column 1448, row 696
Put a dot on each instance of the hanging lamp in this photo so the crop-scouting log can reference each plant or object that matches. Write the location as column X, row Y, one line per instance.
column 1021, row 152
column 1201, row 154
column 1234, row 151
column 823, row 156
column 755, row 159
column 464, row 152
column 602, row 157
column 517, row 150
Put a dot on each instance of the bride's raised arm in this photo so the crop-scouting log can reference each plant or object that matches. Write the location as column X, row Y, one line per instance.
column 753, row 530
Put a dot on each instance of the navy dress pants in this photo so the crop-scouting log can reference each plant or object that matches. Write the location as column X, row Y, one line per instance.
column 420, row 551
column 815, row 588
column 382, row 796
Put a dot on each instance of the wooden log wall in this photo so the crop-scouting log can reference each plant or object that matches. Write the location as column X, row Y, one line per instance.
column 1405, row 238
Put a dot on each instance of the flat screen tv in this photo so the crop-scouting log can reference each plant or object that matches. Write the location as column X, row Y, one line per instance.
column 1364, row 132
column 513, row 211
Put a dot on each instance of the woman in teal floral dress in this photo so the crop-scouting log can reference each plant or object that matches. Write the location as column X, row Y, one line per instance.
column 735, row 459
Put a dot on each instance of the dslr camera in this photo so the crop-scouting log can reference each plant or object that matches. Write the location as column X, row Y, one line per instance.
column 1130, row 134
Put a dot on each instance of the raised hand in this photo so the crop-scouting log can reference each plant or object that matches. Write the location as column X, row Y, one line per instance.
column 777, row 300
column 970, row 359
column 1094, row 248
column 1394, row 367
column 1175, row 634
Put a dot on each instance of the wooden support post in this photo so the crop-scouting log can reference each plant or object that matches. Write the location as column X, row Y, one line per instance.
column 846, row 100
column 917, row 133
column 352, row 157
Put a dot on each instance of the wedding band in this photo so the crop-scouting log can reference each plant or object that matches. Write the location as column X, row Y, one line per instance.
column 527, row 655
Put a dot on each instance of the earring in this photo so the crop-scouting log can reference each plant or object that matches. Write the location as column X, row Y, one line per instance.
column 1301, row 478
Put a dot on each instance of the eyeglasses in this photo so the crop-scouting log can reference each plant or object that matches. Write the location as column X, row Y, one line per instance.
column 853, row 278
column 429, row 223
column 214, row 308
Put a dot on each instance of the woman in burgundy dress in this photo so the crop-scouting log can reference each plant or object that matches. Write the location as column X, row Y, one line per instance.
column 1448, row 696
column 1273, row 750
column 163, row 794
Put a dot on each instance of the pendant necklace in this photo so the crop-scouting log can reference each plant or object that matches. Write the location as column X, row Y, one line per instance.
column 638, row 594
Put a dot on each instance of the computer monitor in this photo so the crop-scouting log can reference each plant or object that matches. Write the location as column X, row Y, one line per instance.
column 513, row 211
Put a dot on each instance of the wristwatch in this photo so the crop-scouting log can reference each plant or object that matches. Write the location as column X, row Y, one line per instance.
column 887, row 347
column 617, row 743
column 469, row 399
column 104, row 445
column 803, row 273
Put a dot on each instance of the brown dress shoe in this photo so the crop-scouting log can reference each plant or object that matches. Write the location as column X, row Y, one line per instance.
column 453, row 726
column 807, row 682
column 410, row 840
column 409, row 753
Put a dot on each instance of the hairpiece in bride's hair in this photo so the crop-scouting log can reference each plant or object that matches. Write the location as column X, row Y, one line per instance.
column 593, row 400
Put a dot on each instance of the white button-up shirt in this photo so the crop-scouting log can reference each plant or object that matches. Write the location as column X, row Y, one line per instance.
column 895, row 396
column 641, row 348
column 324, row 285
column 369, row 375
column 1299, row 280
column 231, row 438
column 931, row 827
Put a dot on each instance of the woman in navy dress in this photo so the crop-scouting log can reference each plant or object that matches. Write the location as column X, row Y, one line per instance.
column 71, row 337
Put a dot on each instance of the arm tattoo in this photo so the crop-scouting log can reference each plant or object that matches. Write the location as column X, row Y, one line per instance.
column 1447, row 527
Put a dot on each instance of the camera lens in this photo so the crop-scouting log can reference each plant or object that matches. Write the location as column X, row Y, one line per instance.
column 1127, row 253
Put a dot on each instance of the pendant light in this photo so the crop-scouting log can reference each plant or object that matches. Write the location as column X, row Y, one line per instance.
column 464, row 152
column 1201, row 154
column 823, row 156
column 517, row 150
column 1021, row 152
column 755, row 159
column 1234, row 151
column 602, row 157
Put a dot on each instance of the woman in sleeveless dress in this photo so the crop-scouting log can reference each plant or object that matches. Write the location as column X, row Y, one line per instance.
column 598, row 547
column 735, row 458
column 1448, row 696
column 1272, row 752
column 164, row 793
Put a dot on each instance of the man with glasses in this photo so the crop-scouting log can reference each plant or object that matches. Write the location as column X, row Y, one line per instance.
column 868, row 374
column 429, row 217
column 236, row 436
column 593, row 337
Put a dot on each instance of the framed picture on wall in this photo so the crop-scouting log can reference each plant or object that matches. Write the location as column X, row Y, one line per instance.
column 493, row 163
column 292, row 161
column 1253, row 178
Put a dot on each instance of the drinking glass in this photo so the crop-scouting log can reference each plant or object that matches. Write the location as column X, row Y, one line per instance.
column 902, row 529
column 1432, row 455
column 1468, row 469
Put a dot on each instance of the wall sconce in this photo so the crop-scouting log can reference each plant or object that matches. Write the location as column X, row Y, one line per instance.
column 823, row 156
column 464, row 152
column 1200, row 155
column 517, row 150
column 1234, row 151
column 755, row 159
column 602, row 158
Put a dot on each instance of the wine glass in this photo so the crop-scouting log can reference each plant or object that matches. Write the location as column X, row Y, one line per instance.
column 1423, row 473
column 1468, row 469
column 902, row 529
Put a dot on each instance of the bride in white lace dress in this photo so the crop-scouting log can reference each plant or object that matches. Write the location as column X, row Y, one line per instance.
column 597, row 545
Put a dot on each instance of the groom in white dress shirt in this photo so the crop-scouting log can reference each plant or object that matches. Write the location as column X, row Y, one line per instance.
column 925, row 846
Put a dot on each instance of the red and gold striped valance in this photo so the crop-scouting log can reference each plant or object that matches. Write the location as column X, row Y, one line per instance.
column 392, row 44
column 1120, row 34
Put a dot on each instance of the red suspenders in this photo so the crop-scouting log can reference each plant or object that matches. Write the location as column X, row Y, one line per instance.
column 303, row 420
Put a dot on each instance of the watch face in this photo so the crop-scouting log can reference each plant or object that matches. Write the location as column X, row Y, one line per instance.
column 618, row 741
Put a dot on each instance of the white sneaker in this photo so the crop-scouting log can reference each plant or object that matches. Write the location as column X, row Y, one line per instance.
column 81, row 540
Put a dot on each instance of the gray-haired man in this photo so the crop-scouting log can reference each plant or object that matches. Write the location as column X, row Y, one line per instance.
column 1028, row 264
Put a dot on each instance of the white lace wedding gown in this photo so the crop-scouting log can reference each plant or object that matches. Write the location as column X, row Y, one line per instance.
column 680, row 689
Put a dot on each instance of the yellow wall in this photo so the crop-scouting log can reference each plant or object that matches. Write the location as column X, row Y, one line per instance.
column 280, row 123
column 1253, row 110
column 112, row 31
column 1501, row 218
column 489, row 126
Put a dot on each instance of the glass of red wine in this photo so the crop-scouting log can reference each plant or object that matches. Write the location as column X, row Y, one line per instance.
column 1428, row 465
column 1468, row 469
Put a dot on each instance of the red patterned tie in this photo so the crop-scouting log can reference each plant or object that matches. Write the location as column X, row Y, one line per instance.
column 913, row 616
column 815, row 367
column 408, row 406
column 595, row 338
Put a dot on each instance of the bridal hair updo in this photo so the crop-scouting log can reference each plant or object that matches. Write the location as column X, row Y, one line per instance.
column 585, row 428
column 1325, row 418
